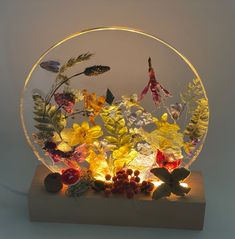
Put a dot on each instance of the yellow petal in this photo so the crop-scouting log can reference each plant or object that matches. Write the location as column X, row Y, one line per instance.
column 56, row 137
column 85, row 125
column 76, row 126
column 67, row 134
column 64, row 147
column 95, row 132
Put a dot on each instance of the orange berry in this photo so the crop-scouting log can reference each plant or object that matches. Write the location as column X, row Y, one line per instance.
column 129, row 171
column 137, row 179
column 108, row 177
column 144, row 183
column 136, row 172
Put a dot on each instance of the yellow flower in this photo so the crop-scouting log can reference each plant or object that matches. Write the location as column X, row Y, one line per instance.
column 123, row 156
column 166, row 137
column 80, row 134
column 98, row 165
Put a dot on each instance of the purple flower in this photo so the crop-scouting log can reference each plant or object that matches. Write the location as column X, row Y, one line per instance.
column 52, row 66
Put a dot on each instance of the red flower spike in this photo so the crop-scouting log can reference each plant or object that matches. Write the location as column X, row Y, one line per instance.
column 166, row 162
column 70, row 176
column 155, row 87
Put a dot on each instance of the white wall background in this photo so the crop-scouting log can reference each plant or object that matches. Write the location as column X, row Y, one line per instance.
column 204, row 30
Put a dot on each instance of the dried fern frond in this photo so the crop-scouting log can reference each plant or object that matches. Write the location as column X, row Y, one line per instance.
column 192, row 93
column 197, row 127
column 49, row 118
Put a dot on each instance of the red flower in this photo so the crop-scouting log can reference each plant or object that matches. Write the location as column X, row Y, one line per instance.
column 65, row 100
column 70, row 176
column 155, row 87
column 167, row 161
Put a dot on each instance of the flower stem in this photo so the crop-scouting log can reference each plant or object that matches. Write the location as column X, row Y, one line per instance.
column 60, row 84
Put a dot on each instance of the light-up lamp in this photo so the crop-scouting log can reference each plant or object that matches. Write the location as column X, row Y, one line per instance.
column 118, row 116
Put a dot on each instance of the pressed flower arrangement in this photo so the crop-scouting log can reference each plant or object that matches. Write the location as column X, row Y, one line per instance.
column 111, row 143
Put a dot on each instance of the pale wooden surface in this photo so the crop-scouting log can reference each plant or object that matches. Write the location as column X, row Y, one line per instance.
column 92, row 208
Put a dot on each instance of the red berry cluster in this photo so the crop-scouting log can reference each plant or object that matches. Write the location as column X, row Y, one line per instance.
column 126, row 182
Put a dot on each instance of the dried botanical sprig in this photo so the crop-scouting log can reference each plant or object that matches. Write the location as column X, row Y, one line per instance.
column 73, row 61
column 96, row 70
column 89, row 71
column 198, row 124
column 83, row 184
column 155, row 87
column 191, row 94
column 49, row 119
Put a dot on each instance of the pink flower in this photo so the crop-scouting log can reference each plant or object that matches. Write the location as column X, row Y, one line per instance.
column 65, row 100
column 155, row 87
column 80, row 153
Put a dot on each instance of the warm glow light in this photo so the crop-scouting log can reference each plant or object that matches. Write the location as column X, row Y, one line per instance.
column 185, row 185
column 158, row 183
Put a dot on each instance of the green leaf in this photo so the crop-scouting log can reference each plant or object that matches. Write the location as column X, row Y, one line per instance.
column 123, row 131
column 49, row 118
column 179, row 190
column 42, row 119
column 121, row 122
column 44, row 127
column 162, row 174
column 111, row 139
column 197, row 127
column 125, row 139
column 163, row 190
column 79, row 188
column 110, row 129
column 180, row 174
column 109, row 97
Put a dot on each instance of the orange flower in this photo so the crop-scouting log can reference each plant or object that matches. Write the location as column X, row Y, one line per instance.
column 93, row 103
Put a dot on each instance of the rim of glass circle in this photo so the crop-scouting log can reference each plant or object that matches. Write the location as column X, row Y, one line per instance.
column 106, row 28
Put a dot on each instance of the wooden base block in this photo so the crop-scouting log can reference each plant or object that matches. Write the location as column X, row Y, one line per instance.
column 93, row 208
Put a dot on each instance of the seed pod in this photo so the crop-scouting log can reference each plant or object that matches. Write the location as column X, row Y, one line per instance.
column 53, row 182
column 96, row 70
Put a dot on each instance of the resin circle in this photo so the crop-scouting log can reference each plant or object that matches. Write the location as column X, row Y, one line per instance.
column 113, row 98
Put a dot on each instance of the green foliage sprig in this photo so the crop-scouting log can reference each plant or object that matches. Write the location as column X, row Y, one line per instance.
column 197, row 127
column 49, row 119
column 171, row 182
column 75, row 60
column 83, row 184
column 120, row 140
column 116, row 127
column 191, row 94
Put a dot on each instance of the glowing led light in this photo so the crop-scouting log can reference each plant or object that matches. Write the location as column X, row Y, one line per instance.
column 158, row 183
